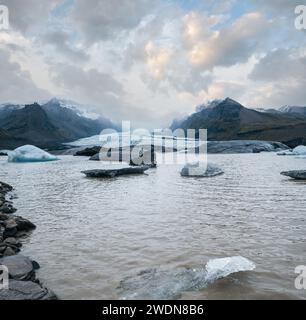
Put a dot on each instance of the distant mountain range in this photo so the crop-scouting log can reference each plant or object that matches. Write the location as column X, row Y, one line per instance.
column 48, row 124
column 229, row 120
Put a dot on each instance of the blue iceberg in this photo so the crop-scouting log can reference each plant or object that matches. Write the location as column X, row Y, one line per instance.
column 29, row 153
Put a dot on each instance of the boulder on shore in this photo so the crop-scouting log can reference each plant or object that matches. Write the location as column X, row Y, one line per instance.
column 26, row 290
column 23, row 284
column 113, row 172
column 199, row 169
column 20, row 267
column 5, row 188
column 295, row 174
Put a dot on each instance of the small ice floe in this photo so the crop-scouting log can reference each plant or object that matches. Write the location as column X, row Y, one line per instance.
column 29, row 153
column 201, row 169
column 162, row 284
column 298, row 151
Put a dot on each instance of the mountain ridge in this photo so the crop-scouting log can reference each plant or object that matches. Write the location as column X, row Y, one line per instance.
column 46, row 124
column 230, row 120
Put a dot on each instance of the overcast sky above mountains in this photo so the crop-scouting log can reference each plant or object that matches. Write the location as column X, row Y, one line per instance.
column 150, row 61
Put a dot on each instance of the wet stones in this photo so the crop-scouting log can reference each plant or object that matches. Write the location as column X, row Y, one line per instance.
column 26, row 290
column 23, row 284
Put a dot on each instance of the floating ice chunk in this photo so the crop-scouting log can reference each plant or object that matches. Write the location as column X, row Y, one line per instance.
column 298, row 151
column 285, row 153
column 29, row 153
column 167, row 284
column 201, row 169
column 220, row 268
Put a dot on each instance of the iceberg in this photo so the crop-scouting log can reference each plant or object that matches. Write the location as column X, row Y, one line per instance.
column 298, row 151
column 201, row 169
column 166, row 284
column 221, row 268
column 29, row 153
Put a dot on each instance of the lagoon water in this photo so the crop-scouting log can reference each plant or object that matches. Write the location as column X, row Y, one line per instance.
column 93, row 233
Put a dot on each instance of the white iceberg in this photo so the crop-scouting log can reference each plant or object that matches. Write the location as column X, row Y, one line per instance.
column 201, row 169
column 220, row 268
column 29, row 153
column 298, row 151
column 170, row 284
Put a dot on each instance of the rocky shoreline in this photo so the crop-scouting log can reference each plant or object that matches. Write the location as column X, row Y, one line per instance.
column 23, row 284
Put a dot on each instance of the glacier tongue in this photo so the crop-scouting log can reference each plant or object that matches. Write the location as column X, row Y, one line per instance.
column 166, row 284
column 29, row 153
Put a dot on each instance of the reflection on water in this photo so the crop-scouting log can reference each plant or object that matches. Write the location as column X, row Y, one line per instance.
column 93, row 233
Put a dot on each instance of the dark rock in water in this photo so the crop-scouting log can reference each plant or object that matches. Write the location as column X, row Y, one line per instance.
column 26, row 290
column 13, row 242
column 10, row 224
column 24, row 224
column 10, row 228
column 95, row 157
column 9, row 247
column 110, row 173
column 88, row 152
column 3, row 216
column 295, row 174
column 36, row 265
column 20, row 267
column 9, row 252
column 7, row 208
column 5, row 188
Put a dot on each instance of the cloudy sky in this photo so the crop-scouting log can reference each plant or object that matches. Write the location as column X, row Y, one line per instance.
column 151, row 61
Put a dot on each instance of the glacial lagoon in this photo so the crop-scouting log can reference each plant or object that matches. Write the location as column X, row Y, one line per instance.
column 92, row 234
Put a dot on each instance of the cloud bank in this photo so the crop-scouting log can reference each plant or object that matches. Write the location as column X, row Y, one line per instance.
column 152, row 61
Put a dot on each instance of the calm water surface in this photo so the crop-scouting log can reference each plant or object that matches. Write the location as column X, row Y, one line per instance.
column 93, row 233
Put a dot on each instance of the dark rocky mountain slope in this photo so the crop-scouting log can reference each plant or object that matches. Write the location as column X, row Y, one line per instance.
column 46, row 125
column 229, row 120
